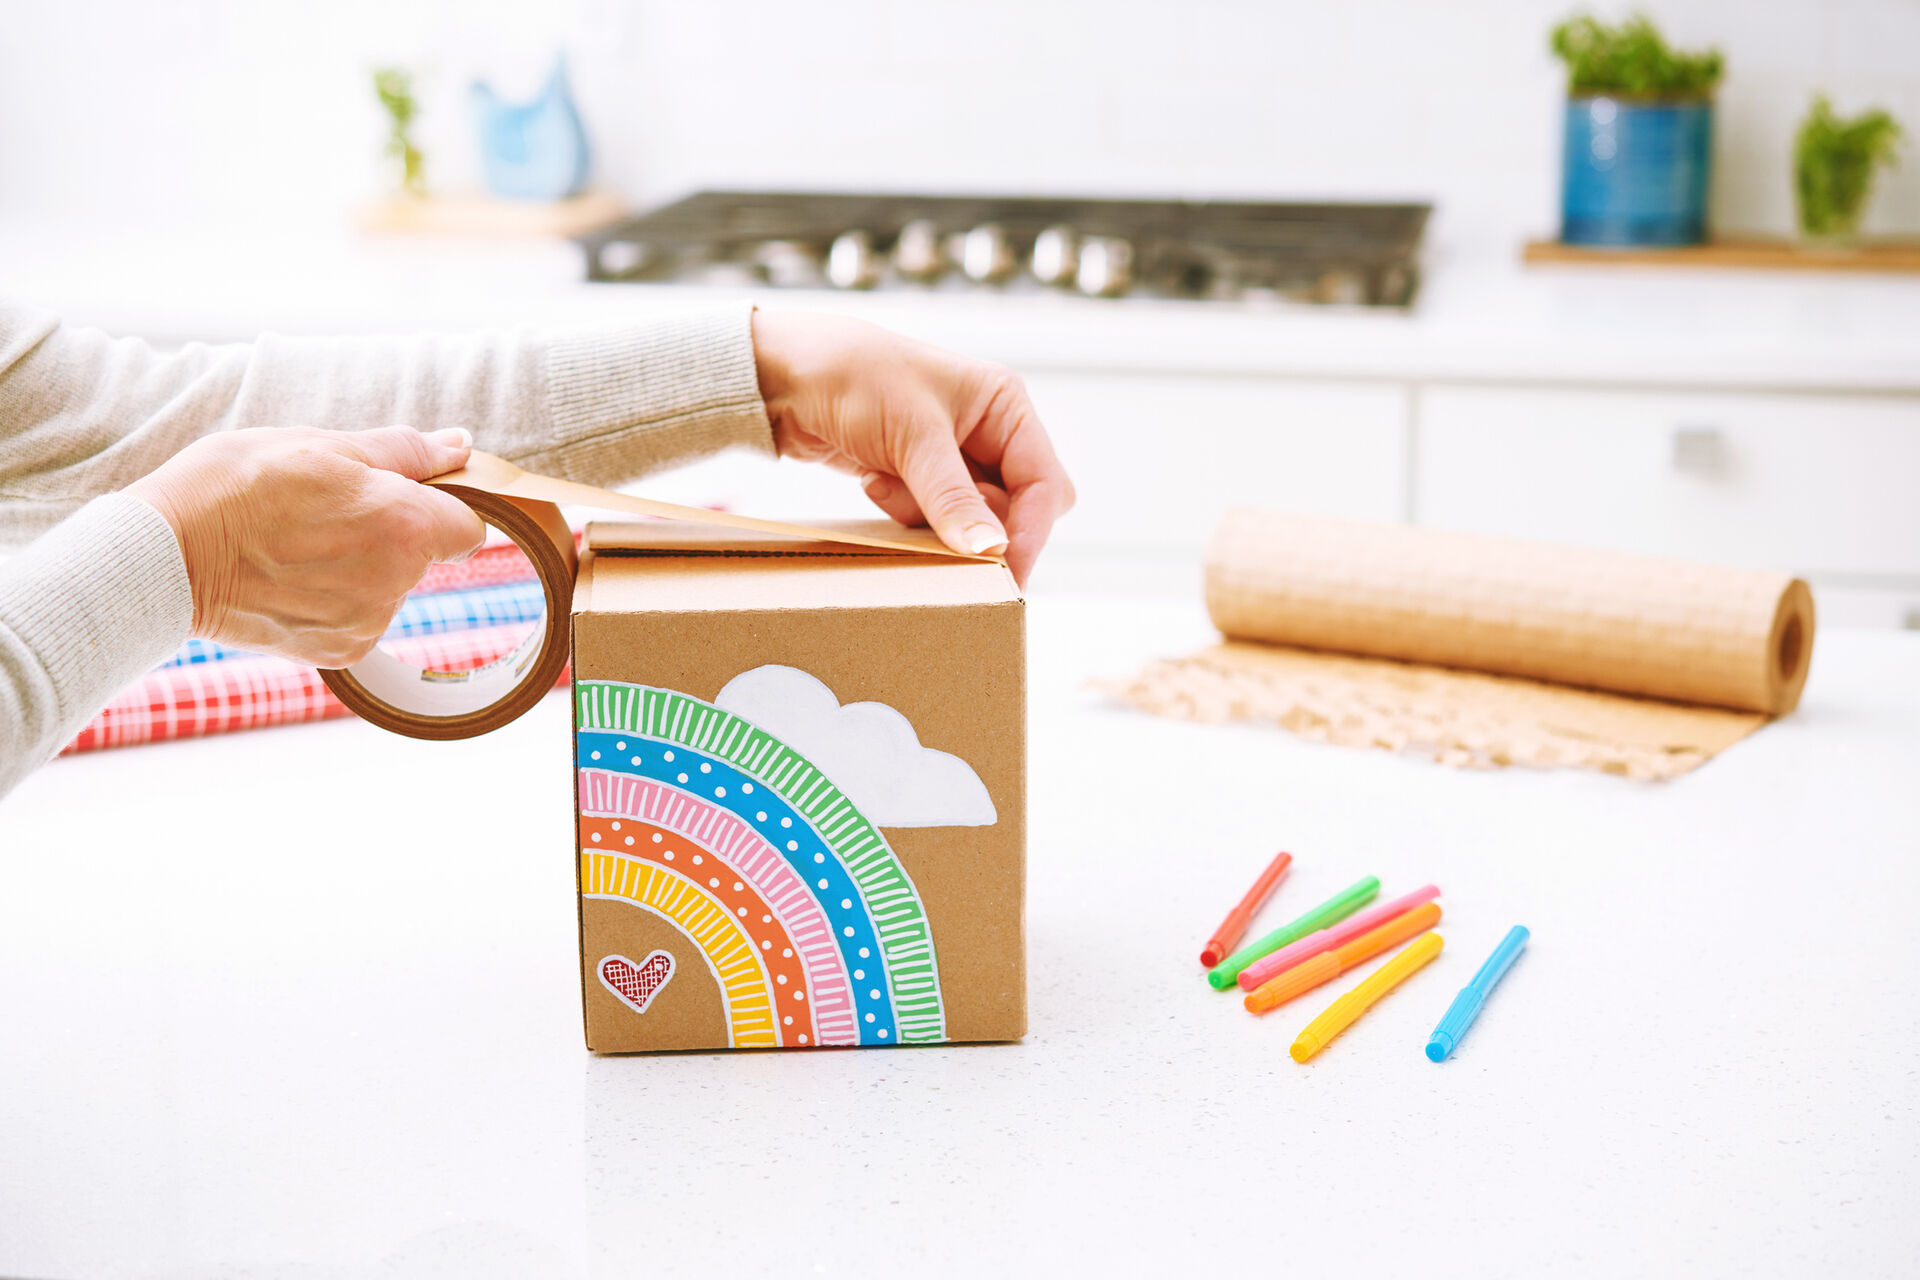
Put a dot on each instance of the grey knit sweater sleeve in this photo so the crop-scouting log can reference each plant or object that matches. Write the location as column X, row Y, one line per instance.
column 101, row 593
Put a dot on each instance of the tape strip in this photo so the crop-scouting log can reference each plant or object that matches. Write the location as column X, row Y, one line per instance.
column 439, row 705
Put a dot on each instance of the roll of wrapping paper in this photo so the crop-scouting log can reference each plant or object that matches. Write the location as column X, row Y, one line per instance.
column 421, row 614
column 405, row 697
column 1670, row 629
column 255, row 692
column 493, row 565
column 1485, row 651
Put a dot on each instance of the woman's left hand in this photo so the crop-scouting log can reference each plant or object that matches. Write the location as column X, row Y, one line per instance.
column 936, row 438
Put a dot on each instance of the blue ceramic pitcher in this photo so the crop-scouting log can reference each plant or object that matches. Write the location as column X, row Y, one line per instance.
column 1636, row 172
column 532, row 150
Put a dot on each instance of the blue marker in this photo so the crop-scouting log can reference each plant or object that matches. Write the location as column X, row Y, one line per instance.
column 1466, row 1006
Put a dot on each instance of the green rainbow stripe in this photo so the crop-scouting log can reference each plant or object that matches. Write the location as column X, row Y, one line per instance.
column 906, row 938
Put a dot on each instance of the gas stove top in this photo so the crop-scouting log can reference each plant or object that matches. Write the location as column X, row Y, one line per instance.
column 1324, row 253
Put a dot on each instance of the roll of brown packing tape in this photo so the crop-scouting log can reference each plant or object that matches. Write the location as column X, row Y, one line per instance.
column 407, row 699
column 1668, row 629
column 461, row 704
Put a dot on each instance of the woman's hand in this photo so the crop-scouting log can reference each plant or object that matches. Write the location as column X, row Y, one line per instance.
column 936, row 438
column 303, row 543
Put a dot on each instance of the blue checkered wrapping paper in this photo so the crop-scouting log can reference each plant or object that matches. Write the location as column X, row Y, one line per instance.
column 428, row 615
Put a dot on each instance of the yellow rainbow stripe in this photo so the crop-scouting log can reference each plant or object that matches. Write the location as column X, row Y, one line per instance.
column 743, row 981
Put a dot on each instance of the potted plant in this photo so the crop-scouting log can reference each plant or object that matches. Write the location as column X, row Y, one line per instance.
column 394, row 88
column 1639, row 135
column 1834, row 162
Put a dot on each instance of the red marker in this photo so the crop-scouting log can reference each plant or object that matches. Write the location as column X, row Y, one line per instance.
column 1234, row 927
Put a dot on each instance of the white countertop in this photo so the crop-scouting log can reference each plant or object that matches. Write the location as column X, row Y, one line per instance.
column 304, row 1004
column 1480, row 316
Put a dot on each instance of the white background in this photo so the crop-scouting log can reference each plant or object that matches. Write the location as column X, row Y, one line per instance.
column 231, row 110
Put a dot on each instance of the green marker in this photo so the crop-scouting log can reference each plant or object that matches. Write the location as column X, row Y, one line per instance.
column 1332, row 911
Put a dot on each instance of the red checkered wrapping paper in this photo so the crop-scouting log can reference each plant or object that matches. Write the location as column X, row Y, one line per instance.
column 253, row 693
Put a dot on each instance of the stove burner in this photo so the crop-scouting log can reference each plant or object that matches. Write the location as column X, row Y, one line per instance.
column 1346, row 253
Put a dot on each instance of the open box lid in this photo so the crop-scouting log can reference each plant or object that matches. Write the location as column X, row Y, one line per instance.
column 668, row 566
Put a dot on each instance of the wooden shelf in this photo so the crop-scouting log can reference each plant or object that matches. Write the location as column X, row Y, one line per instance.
column 1738, row 253
column 486, row 216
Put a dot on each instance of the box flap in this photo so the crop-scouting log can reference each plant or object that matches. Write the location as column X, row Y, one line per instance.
column 667, row 566
column 674, row 537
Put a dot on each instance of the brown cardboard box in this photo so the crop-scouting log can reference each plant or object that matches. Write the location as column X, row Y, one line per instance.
column 801, row 793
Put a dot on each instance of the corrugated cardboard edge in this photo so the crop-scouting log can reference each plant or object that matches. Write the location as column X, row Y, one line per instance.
column 582, row 598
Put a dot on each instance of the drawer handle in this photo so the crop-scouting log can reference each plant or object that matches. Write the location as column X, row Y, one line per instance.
column 1700, row 451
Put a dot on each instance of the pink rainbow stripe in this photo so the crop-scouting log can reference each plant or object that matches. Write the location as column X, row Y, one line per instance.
column 620, row 795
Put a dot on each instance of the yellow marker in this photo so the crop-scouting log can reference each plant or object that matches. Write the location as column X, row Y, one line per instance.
column 1345, row 1011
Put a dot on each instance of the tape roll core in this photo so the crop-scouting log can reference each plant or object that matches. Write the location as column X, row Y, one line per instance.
column 440, row 705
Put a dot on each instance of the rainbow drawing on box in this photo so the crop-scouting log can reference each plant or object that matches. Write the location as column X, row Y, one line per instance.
column 826, row 939
column 728, row 951
column 676, row 826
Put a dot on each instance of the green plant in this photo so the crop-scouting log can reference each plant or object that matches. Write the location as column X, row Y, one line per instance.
column 1834, row 161
column 395, row 90
column 1631, row 60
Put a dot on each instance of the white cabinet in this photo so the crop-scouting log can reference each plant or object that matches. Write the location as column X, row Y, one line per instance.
column 1820, row 485
column 1827, row 486
column 1156, row 459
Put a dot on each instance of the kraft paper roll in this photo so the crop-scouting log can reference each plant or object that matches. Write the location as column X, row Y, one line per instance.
column 1601, row 620
column 1480, row 650
column 408, row 699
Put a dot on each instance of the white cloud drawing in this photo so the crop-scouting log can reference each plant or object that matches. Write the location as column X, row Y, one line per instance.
column 869, row 750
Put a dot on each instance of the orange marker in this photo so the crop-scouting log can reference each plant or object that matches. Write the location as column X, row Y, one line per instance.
column 1234, row 927
column 1328, row 965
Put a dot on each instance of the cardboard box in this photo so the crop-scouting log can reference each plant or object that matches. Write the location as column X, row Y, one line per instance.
column 801, row 791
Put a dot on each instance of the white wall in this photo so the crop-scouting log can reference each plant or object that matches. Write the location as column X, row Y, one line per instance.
column 222, row 109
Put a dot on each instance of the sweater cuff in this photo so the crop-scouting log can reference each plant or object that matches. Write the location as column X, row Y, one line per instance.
column 629, row 400
column 99, row 600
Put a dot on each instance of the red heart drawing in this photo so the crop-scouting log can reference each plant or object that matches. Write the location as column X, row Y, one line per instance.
column 636, row 984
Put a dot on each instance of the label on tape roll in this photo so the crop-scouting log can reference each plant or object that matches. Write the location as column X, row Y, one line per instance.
column 408, row 699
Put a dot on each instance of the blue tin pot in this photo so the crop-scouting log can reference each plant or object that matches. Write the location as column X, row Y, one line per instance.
column 1635, row 173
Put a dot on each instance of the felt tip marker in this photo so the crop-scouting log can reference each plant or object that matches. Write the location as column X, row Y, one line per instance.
column 1345, row 1011
column 1327, row 939
column 1234, row 927
column 1332, row 911
column 1466, row 1006
column 1318, row 970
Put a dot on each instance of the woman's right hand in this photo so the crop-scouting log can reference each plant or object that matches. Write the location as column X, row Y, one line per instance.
column 303, row 543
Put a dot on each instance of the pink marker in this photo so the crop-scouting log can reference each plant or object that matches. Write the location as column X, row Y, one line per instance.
column 1314, row 943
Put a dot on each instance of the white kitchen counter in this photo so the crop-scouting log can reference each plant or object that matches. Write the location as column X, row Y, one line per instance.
column 1480, row 316
column 304, row 1004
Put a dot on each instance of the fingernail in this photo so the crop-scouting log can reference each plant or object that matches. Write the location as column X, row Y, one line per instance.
column 454, row 437
column 875, row 484
column 983, row 540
